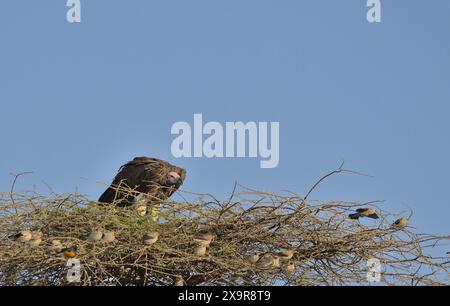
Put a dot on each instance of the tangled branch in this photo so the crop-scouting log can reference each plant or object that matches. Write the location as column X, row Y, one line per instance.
column 251, row 235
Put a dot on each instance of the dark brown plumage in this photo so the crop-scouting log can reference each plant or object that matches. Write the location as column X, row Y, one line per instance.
column 155, row 178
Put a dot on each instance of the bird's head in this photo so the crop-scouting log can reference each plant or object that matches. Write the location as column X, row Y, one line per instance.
column 175, row 177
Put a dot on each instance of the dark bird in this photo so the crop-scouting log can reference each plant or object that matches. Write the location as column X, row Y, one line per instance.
column 70, row 252
column 154, row 178
column 364, row 212
column 400, row 223
column 23, row 236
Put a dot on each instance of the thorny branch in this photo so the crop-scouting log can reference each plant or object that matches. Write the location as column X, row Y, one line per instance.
column 329, row 248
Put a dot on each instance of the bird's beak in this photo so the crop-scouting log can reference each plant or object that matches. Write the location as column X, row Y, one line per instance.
column 173, row 178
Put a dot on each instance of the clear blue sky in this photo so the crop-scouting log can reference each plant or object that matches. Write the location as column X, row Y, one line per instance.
column 79, row 100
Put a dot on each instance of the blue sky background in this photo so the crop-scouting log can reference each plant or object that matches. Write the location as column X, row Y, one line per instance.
column 79, row 100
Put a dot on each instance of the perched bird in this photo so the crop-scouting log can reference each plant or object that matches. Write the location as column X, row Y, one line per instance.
column 200, row 250
column 400, row 223
column 268, row 260
column 96, row 234
column 36, row 238
column 252, row 258
column 55, row 247
column 179, row 281
column 141, row 205
column 150, row 238
column 35, row 242
column 108, row 236
column 154, row 178
column 204, row 238
column 36, row 234
column 276, row 261
column 285, row 254
column 289, row 267
column 364, row 212
column 154, row 212
column 70, row 252
column 22, row 236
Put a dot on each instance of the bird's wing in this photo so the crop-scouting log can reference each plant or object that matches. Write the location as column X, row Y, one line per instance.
column 130, row 175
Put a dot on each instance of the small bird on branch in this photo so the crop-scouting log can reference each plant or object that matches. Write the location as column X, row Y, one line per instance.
column 36, row 238
column 289, row 267
column 200, row 250
column 204, row 238
column 285, row 254
column 269, row 261
column 70, row 252
column 364, row 212
column 96, row 234
column 400, row 223
column 55, row 247
column 108, row 236
column 151, row 238
column 252, row 258
column 22, row 236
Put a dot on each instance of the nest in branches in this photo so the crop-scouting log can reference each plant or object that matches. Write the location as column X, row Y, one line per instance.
column 329, row 248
